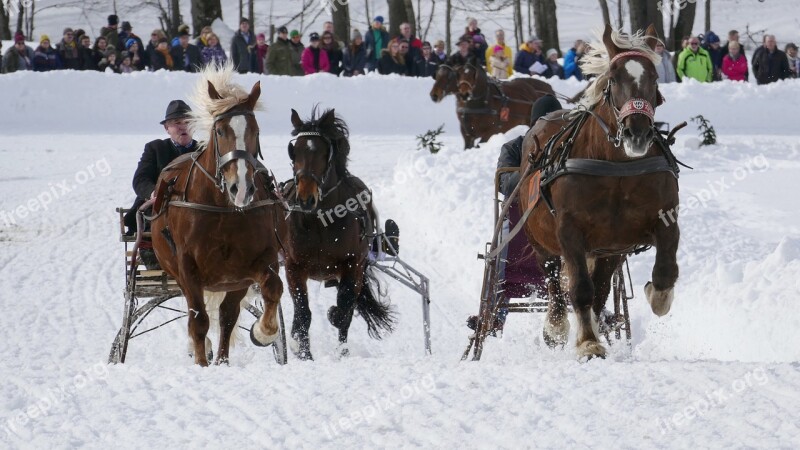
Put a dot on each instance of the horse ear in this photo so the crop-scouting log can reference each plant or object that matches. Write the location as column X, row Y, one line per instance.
column 255, row 93
column 212, row 92
column 296, row 121
column 611, row 48
column 329, row 117
column 651, row 37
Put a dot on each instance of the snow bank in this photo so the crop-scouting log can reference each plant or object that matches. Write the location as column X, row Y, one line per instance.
column 88, row 102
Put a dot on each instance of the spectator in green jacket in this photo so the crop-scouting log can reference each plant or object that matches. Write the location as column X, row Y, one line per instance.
column 297, row 47
column 110, row 32
column 279, row 55
column 695, row 62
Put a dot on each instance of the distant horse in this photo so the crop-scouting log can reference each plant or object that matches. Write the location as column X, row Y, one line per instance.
column 218, row 224
column 601, row 188
column 486, row 106
column 331, row 227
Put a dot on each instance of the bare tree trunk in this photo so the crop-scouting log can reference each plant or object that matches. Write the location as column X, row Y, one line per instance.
column 708, row 16
column 684, row 25
column 447, row 16
column 5, row 30
column 424, row 36
column 530, row 18
column 204, row 12
column 546, row 23
column 518, row 31
column 671, row 24
column 606, row 15
column 366, row 11
column 411, row 18
column 400, row 11
column 419, row 19
column 646, row 12
column 30, row 14
column 21, row 17
column 340, row 12
column 176, row 16
column 241, row 10
column 620, row 22
column 251, row 13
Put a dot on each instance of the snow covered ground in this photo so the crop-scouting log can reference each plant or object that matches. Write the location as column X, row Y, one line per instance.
column 721, row 370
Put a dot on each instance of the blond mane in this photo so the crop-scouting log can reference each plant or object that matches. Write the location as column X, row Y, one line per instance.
column 597, row 63
column 206, row 109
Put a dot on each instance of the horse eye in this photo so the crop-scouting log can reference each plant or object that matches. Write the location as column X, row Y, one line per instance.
column 219, row 131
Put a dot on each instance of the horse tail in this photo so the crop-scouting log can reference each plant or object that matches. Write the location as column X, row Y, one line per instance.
column 213, row 300
column 378, row 315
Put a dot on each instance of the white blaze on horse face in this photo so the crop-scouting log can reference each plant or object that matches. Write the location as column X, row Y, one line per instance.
column 636, row 70
column 239, row 125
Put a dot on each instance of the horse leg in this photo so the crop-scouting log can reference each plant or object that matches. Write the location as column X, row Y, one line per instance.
column 196, row 307
column 581, row 290
column 302, row 314
column 468, row 140
column 265, row 330
column 659, row 292
column 601, row 279
column 341, row 315
column 228, row 317
column 556, row 324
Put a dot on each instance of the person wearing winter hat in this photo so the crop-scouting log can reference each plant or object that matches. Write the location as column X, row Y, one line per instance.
column 297, row 47
column 498, row 63
column 314, row 59
column 18, row 57
column 161, row 57
column 260, row 54
column 68, row 51
column 45, row 57
column 109, row 62
column 186, row 56
column 715, row 52
column 354, row 60
column 110, row 32
column 375, row 41
column 554, row 69
column 242, row 47
column 529, row 54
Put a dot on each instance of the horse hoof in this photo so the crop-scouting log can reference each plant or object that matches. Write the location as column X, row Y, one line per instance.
column 301, row 352
column 555, row 335
column 334, row 317
column 660, row 301
column 344, row 351
column 259, row 338
column 209, row 350
column 590, row 350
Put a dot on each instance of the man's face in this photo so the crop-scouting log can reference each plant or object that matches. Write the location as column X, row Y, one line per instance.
column 537, row 45
column 500, row 36
column 86, row 42
column 405, row 29
column 154, row 37
column 733, row 37
column 283, row 35
column 328, row 26
column 463, row 47
column 403, row 48
column 426, row 51
column 20, row 45
column 68, row 37
column 184, row 41
column 296, row 39
column 473, row 24
column 694, row 44
column 770, row 43
column 178, row 130
column 244, row 26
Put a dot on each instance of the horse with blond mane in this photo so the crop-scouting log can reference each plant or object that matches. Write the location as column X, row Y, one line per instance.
column 218, row 223
column 599, row 186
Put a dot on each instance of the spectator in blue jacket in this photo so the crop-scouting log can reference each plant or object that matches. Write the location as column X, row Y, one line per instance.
column 45, row 57
column 714, row 49
column 571, row 60
column 529, row 53
column 355, row 56
column 376, row 40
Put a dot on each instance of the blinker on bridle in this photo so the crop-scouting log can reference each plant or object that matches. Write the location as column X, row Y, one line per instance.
column 331, row 147
column 234, row 154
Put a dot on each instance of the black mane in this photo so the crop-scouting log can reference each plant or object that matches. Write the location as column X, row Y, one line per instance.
column 333, row 128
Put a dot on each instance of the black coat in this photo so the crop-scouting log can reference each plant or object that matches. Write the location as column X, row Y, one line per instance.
column 423, row 68
column 157, row 154
column 335, row 56
column 769, row 67
column 195, row 58
column 387, row 65
column 241, row 50
column 354, row 60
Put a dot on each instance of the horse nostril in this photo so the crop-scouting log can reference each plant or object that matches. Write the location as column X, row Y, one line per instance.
column 251, row 190
column 234, row 189
column 626, row 132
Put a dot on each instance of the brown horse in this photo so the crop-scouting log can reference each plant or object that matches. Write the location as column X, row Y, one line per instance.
column 218, row 224
column 486, row 106
column 331, row 227
column 602, row 194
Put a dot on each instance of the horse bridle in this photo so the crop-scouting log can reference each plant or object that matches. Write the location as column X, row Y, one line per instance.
column 633, row 106
column 328, row 169
column 471, row 86
column 233, row 155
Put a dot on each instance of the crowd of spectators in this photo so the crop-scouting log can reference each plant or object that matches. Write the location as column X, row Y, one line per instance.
column 118, row 49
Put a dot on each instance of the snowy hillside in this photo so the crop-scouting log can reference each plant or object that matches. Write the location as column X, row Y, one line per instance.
column 721, row 370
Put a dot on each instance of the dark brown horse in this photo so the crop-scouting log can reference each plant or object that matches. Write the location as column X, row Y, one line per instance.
column 607, row 180
column 486, row 106
column 218, row 224
column 331, row 227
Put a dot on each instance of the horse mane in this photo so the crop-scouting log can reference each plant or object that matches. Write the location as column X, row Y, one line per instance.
column 335, row 129
column 205, row 108
column 597, row 63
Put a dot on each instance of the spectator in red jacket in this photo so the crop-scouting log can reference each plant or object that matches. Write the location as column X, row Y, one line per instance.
column 734, row 64
column 314, row 59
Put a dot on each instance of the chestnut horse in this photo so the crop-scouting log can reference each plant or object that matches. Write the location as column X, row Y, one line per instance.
column 331, row 227
column 486, row 106
column 218, row 223
column 600, row 187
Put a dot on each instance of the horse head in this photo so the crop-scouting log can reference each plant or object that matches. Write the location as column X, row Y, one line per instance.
column 631, row 90
column 446, row 82
column 319, row 155
column 469, row 78
column 235, row 138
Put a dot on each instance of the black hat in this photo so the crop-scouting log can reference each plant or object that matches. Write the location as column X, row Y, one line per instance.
column 244, row 19
column 283, row 30
column 313, row 36
column 177, row 109
column 113, row 19
column 126, row 26
column 183, row 33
